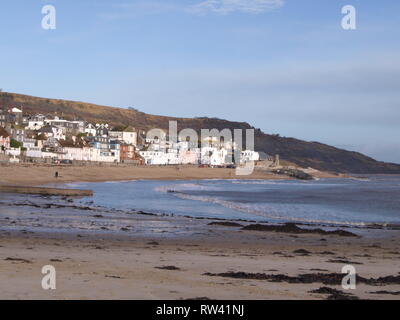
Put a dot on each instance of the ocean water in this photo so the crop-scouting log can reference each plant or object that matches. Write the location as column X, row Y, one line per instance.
column 353, row 202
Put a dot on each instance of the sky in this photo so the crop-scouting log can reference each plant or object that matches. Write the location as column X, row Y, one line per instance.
column 284, row 66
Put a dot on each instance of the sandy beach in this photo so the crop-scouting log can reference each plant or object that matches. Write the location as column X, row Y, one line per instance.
column 158, row 267
column 35, row 174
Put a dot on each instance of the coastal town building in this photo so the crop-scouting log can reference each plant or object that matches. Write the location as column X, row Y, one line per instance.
column 190, row 156
column 17, row 115
column 29, row 143
column 152, row 157
column 128, row 135
column 101, row 130
column 17, row 133
column 4, row 139
column 35, row 122
column 10, row 117
column 249, row 155
column 52, row 139
column 90, row 130
column 214, row 156
column 50, row 131
column 34, row 125
column 75, row 150
column 103, row 149
column 129, row 154
column 70, row 127
column 3, row 116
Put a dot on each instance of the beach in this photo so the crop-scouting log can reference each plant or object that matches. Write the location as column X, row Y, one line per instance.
column 39, row 174
column 159, row 267
column 112, row 251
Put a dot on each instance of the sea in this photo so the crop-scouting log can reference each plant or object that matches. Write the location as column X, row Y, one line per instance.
column 358, row 201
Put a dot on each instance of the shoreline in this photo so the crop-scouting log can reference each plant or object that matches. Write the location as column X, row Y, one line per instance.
column 48, row 189
column 67, row 203
column 39, row 175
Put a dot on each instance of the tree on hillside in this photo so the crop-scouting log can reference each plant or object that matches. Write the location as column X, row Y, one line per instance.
column 119, row 128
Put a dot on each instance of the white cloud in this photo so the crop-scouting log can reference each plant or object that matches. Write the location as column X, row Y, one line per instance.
column 229, row 6
column 132, row 8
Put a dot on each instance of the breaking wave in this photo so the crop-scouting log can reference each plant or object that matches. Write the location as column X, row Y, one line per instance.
column 285, row 182
column 184, row 187
column 254, row 182
column 253, row 210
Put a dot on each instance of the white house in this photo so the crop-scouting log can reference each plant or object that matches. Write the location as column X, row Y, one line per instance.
column 172, row 157
column 14, row 152
column 213, row 156
column 152, row 157
column 53, row 132
column 34, row 125
column 17, row 113
column 76, row 153
column 101, row 130
column 190, row 156
column 90, row 130
column 128, row 136
column 96, row 154
column 29, row 143
column 249, row 155
column 68, row 126
column 34, row 152
column 17, row 134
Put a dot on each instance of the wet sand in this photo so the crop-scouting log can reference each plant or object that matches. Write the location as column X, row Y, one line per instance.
column 46, row 191
column 169, row 264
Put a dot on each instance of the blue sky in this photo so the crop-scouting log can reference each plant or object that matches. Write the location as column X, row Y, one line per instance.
column 285, row 66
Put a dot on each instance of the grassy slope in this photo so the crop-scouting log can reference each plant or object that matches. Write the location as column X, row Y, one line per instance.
column 303, row 153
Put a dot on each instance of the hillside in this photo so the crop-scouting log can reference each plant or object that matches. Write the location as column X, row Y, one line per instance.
column 313, row 154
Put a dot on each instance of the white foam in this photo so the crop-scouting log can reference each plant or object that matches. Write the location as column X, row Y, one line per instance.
column 273, row 182
column 360, row 179
column 183, row 187
column 254, row 182
column 251, row 209
column 121, row 181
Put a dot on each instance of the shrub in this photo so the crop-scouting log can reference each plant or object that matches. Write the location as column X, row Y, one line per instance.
column 15, row 144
